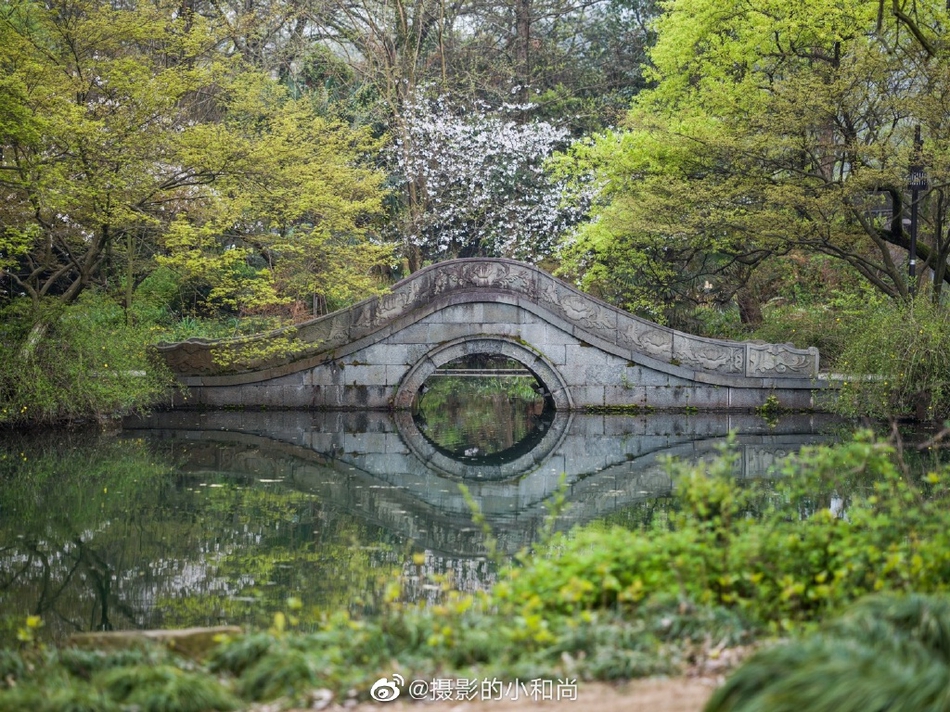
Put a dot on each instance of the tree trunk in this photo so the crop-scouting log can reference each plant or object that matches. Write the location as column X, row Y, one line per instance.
column 523, row 47
column 750, row 310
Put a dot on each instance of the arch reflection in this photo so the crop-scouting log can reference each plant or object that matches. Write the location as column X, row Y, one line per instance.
column 379, row 467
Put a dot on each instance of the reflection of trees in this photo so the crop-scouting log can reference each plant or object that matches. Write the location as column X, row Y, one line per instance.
column 489, row 413
column 60, row 498
column 59, row 570
column 107, row 535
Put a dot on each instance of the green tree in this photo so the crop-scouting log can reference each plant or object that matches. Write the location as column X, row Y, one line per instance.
column 577, row 63
column 136, row 135
column 773, row 128
column 291, row 217
column 118, row 123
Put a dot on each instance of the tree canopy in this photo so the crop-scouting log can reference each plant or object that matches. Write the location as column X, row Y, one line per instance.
column 773, row 128
column 128, row 133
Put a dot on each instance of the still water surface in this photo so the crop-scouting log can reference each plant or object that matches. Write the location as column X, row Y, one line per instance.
column 201, row 518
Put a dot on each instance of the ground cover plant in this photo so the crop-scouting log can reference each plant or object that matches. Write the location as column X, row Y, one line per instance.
column 886, row 653
column 732, row 564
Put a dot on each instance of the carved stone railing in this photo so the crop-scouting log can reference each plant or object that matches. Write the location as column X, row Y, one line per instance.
column 474, row 280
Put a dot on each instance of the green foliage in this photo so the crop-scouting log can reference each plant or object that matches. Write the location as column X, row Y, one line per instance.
column 897, row 362
column 782, row 557
column 886, row 653
column 750, row 149
column 80, row 361
column 298, row 214
column 88, row 505
column 12, row 666
column 283, row 671
column 155, row 144
column 813, row 303
column 821, row 326
column 242, row 653
column 83, row 664
column 58, row 694
column 166, row 688
column 489, row 404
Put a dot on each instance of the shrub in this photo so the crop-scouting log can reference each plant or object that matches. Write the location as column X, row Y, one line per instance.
column 780, row 554
column 887, row 653
column 76, row 362
column 897, row 362
column 166, row 688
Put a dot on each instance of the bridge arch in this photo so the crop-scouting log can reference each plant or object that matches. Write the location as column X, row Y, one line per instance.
column 545, row 372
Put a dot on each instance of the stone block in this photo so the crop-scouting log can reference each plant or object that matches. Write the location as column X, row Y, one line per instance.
column 585, row 427
column 468, row 313
column 195, row 643
column 326, row 443
column 557, row 355
column 533, row 334
column 388, row 353
column 667, row 397
column 326, row 375
column 395, row 374
column 795, row 399
column 634, row 426
column 708, row 354
column 648, row 377
column 588, row 396
column 648, row 339
column 575, row 375
column 182, row 400
column 510, row 330
column 367, row 396
column 529, row 317
column 552, row 335
column 781, row 361
column 364, row 374
column 582, row 356
column 619, row 396
column 498, row 313
column 747, row 398
column 708, row 397
column 394, row 445
column 224, row 397
column 612, row 375
column 327, row 396
column 651, row 444
column 662, row 424
column 418, row 333
column 266, row 394
column 365, row 443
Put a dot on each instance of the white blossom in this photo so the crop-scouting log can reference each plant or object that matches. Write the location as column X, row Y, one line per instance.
column 479, row 178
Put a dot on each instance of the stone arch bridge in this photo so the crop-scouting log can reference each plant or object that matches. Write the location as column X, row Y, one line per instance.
column 585, row 353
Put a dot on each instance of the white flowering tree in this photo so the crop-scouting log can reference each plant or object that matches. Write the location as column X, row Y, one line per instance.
column 474, row 183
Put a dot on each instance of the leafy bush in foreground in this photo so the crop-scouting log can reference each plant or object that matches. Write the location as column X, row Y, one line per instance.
column 782, row 554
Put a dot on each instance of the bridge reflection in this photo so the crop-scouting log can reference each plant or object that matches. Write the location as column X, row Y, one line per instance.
column 380, row 468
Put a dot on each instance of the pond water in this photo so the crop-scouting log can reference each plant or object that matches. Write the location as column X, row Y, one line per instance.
column 202, row 518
